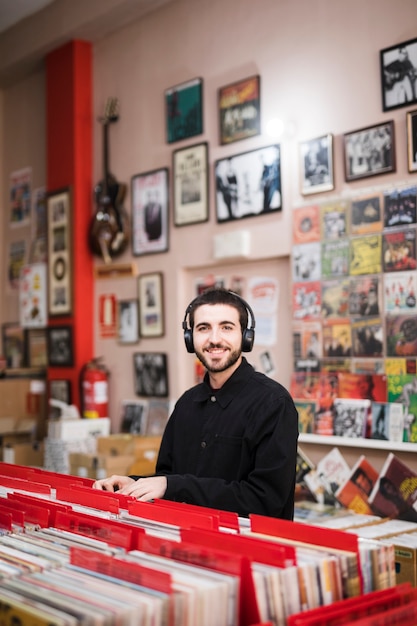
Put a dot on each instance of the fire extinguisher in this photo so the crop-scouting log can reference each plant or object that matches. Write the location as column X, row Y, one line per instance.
column 94, row 383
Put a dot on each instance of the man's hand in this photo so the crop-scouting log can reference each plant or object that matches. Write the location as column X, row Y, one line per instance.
column 143, row 489
column 113, row 483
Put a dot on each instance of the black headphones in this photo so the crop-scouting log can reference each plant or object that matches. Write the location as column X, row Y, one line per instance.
column 248, row 335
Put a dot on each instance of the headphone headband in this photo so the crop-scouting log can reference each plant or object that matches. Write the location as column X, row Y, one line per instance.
column 248, row 334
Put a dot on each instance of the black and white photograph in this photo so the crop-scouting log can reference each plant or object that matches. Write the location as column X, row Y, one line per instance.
column 151, row 305
column 399, row 75
column 248, row 184
column 128, row 321
column 60, row 390
column 134, row 417
column 316, row 165
column 369, row 151
column 190, row 184
column 151, row 374
column 412, row 140
column 60, row 347
column 150, row 212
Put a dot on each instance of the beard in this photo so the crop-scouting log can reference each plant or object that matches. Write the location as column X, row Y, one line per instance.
column 220, row 365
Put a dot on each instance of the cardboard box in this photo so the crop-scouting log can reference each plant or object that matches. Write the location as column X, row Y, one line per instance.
column 29, row 453
column 143, row 449
column 99, row 466
column 113, row 445
column 23, row 399
column 146, row 453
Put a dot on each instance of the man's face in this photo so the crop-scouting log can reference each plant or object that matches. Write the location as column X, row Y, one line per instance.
column 217, row 336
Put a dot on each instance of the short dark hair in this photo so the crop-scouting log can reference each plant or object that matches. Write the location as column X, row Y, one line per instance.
column 219, row 295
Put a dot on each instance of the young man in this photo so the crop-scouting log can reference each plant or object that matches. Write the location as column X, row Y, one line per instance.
column 231, row 441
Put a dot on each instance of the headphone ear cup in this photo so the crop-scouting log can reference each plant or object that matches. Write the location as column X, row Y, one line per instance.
column 188, row 338
column 248, row 339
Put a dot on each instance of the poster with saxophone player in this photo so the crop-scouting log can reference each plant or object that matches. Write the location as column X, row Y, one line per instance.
column 60, row 294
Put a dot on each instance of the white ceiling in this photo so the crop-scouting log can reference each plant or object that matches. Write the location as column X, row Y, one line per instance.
column 13, row 11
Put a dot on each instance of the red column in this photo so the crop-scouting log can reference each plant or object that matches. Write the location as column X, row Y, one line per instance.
column 69, row 164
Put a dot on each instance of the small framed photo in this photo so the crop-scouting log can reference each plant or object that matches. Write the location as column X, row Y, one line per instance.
column 369, row 151
column 14, row 345
column 59, row 219
column 60, row 390
column 412, row 140
column 184, row 110
column 150, row 212
column 151, row 305
column 248, row 184
column 36, row 348
column 60, row 346
column 151, row 374
column 190, row 174
column 316, row 165
column 239, row 110
column 128, row 321
column 134, row 417
column 398, row 66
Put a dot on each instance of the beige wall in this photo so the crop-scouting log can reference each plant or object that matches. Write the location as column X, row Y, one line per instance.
column 319, row 67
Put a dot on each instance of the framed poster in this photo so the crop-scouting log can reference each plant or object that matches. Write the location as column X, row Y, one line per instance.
column 184, row 110
column 239, row 110
column 248, row 184
column 190, row 167
column 412, row 140
column 369, row 151
column 398, row 65
column 128, row 321
column 60, row 346
column 151, row 374
column 60, row 390
column 59, row 218
column 151, row 305
column 150, row 212
column 33, row 296
column 36, row 348
column 14, row 345
column 316, row 165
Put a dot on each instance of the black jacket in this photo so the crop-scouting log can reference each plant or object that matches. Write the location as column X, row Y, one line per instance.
column 233, row 449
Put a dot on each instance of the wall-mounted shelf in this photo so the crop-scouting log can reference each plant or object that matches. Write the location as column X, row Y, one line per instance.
column 359, row 442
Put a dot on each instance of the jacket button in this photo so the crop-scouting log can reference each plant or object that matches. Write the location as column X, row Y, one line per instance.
column 203, row 444
column 213, row 398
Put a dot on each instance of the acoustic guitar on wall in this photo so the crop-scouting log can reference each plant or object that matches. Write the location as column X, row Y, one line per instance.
column 108, row 233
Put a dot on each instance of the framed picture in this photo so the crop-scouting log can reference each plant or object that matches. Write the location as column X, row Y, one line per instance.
column 60, row 346
column 239, row 110
column 150, row 212
column 128, row 321
column 248, row 184
column 190, row 167
column 184, row 110
column 60, row 390
column 134, row 417
column 59, row 219
column 369, row 151
column 412, row 140
column 14, row 345
column 316, row 165
column 399, row 75
column 36, row 348
column 151, row 305
column 151, row 375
